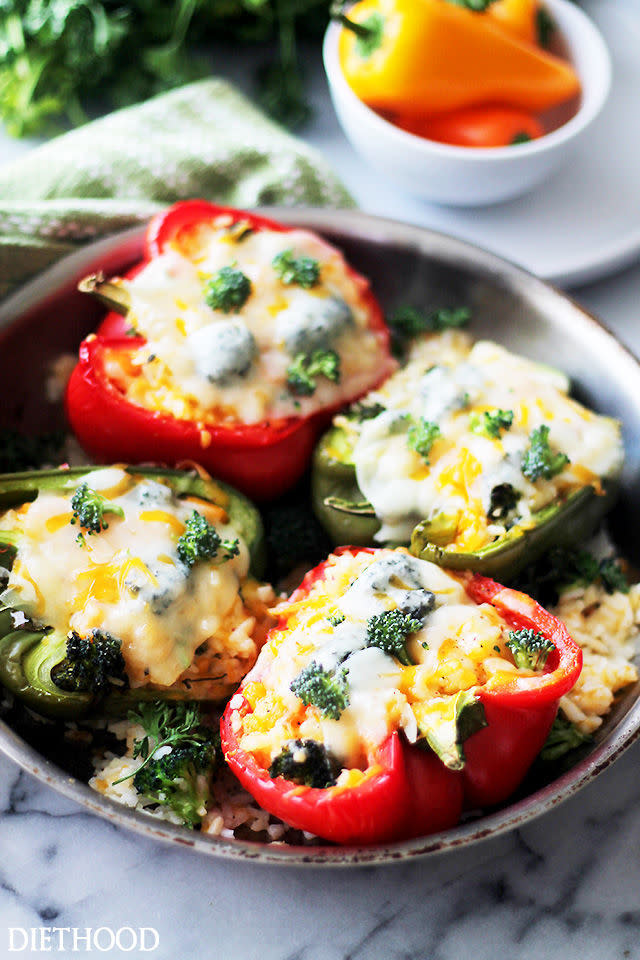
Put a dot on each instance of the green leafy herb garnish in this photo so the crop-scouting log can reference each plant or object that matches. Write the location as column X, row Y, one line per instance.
column 58, row 55
column 179, row 755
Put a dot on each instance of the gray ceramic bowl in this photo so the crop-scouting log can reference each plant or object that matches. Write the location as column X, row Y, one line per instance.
column 406, row 265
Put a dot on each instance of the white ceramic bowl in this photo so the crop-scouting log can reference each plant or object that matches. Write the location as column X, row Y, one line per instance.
column 468, row 176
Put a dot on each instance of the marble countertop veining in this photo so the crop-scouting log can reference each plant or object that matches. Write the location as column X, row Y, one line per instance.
column 563, row 886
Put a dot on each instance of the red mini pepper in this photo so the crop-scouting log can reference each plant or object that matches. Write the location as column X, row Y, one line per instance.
column 262, row 459
column 407, row 791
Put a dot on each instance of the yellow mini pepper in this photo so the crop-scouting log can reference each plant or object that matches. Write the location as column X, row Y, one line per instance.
column 431, row 56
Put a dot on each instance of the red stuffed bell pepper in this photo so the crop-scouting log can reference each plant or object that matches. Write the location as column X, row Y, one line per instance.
column 392, row 694
column 241, row 337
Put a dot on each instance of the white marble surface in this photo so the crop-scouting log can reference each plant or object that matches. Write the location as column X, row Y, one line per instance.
column 564, row 886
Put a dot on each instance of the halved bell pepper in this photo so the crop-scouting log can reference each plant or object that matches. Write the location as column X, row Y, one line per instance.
column 263, row 459
column 344, row 512
column 519, row 711
column 407, row 790
column 28, row 651
column 400, row 56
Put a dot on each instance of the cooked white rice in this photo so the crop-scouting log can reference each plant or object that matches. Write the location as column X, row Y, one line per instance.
column 607, row 627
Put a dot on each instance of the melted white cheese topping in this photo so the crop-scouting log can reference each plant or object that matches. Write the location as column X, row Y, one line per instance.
column 459, row 646
column 449, row 382
column 211, row 364
column 127, row 580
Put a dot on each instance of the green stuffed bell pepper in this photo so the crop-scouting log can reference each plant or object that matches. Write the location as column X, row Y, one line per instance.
column 474, row 457
column 124, row 584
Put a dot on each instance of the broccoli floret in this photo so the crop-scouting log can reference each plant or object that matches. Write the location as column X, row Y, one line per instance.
column 201, row 541
column 490, row 423
column 22, row 451
column 327, row 690
column 389, row 631
column 306, row 367
column 563, row 737
column 227, row 290
column 408, row 322
column 303, row 271
column 306, row 762
column 179, row 780
column 539, row 460
column 529, row 649
column 179, row 756
column 93, row 664
column 504, row 499
column 421, row 436
column 89, row 508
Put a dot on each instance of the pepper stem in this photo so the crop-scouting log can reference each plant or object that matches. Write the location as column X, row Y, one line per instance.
column 113, row 295
column 360, row 29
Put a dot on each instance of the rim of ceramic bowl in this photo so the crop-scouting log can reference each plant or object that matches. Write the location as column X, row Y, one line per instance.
column 123, row 248
column 578, row 30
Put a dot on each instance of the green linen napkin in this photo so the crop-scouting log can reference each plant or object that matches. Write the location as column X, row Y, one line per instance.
column 201, row 140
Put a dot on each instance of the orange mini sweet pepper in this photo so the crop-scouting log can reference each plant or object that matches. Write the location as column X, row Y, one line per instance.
column 432, row 56
column 517, row 17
